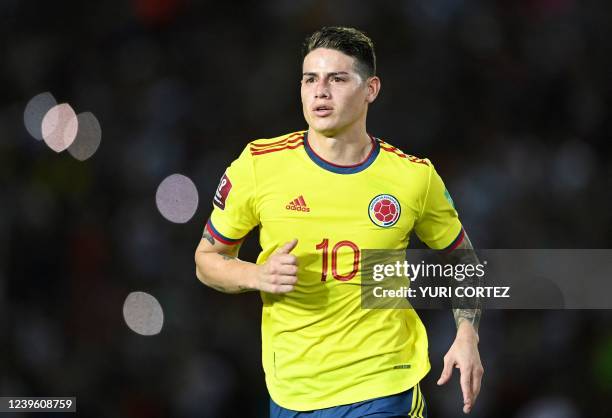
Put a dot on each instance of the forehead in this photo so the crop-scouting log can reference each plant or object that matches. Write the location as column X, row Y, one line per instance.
column 324, row 60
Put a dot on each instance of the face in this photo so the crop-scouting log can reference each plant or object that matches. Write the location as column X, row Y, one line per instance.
column 334, row 96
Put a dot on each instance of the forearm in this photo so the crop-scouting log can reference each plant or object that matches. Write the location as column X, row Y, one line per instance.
column 466, row 310
column 225, row 273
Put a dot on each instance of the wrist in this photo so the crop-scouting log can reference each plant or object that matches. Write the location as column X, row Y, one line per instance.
column 466, row 331
column 251, row 275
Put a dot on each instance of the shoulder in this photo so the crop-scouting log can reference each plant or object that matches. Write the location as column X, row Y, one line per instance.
column 284, row 142
column 258, row 154
column 415, row 172
column 397, row 155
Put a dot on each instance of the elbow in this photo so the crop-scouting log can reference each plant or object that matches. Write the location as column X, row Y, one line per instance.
column 199, row 268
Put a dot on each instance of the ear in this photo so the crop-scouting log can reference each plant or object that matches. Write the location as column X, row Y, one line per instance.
column 373, row 85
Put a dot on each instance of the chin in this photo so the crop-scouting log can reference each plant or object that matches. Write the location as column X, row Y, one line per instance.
column 328, row 132
column 326, row 129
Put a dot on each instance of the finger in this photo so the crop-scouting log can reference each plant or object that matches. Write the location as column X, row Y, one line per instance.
column 447, row 371
column 285, row 279
column 276, row 279
column 476, row 382
column 286, row 259
column 279, row 288
column 466, row 388
column 288, row 269
column 276, row 266
column 287, row 247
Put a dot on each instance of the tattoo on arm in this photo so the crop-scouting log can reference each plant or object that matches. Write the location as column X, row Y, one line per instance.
column 206, row 235
column 470, row 315
column 234, row 250
column 469, row 309
column 220, row 288
column 241, row 289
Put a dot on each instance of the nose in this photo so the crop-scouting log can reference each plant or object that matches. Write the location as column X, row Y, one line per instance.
column 322, row 90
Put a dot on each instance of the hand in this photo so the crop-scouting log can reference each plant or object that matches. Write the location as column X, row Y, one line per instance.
column 464, row 356
column 279, row 273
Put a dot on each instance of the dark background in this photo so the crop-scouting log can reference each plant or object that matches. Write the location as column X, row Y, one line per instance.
column 510, row 100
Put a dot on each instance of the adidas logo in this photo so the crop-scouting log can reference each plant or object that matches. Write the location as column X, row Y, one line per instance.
column 298, row 204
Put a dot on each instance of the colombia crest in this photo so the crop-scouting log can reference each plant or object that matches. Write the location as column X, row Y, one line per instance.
column 384, row 210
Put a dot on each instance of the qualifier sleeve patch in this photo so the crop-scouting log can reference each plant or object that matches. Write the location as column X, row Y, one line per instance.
column 225, row 185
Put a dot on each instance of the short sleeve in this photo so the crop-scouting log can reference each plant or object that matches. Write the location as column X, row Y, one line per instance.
column 438, row 225
column 234, row 212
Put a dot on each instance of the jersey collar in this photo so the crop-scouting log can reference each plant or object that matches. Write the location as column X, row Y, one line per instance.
column 342, row 169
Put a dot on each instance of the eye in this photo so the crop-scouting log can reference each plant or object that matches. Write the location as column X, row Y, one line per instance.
column 337, row 79
column 309, row 80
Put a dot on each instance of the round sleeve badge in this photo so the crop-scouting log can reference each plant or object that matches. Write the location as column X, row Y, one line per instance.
column 384, row 210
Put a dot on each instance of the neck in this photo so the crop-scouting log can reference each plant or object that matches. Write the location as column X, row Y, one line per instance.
column 346, row 148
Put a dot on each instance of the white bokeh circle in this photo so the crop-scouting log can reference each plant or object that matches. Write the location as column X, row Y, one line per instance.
column 88, row 137
column 177, row 198
column 59, row 127
column 35, row 111
column 143, row 313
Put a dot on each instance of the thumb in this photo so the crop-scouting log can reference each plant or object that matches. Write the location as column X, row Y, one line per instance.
column 287, row 247
column 447, row 372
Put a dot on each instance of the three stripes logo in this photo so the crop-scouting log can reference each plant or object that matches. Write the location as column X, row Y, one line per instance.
column 298, row 204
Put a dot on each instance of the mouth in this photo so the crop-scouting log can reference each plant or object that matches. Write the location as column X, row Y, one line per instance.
column 322, row 110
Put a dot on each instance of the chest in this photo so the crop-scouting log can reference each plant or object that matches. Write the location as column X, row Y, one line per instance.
column 374, row 211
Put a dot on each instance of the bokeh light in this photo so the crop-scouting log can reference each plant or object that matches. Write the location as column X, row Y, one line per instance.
column 88, row 137
column 143, row 313
column 59, row 127
column 177, row 198
column 35, row 111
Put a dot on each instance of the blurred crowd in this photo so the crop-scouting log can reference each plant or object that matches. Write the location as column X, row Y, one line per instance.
column 510, row 100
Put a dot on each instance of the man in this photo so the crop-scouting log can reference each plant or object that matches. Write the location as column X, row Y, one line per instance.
column 311, row 193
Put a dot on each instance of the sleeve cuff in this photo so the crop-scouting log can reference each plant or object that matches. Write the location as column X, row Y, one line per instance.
column 456, row 242
column 219, row 236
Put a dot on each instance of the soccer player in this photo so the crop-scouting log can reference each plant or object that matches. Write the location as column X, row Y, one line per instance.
column 311, row 194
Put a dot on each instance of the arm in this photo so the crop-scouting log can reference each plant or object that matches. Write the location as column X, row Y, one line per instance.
column 464, row 354
column 464, row 254
column 218, row 266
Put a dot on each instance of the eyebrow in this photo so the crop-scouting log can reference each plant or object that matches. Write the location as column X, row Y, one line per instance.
column 329, row 74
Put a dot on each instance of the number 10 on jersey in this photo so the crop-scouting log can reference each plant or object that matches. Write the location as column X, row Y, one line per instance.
column 324, row 247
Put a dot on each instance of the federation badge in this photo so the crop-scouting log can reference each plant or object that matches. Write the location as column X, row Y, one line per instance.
column 384, row 210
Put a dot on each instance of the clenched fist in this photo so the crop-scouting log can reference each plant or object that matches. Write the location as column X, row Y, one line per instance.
column 279, row 273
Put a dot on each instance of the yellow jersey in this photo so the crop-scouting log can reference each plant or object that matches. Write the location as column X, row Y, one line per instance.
column 319, row 347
